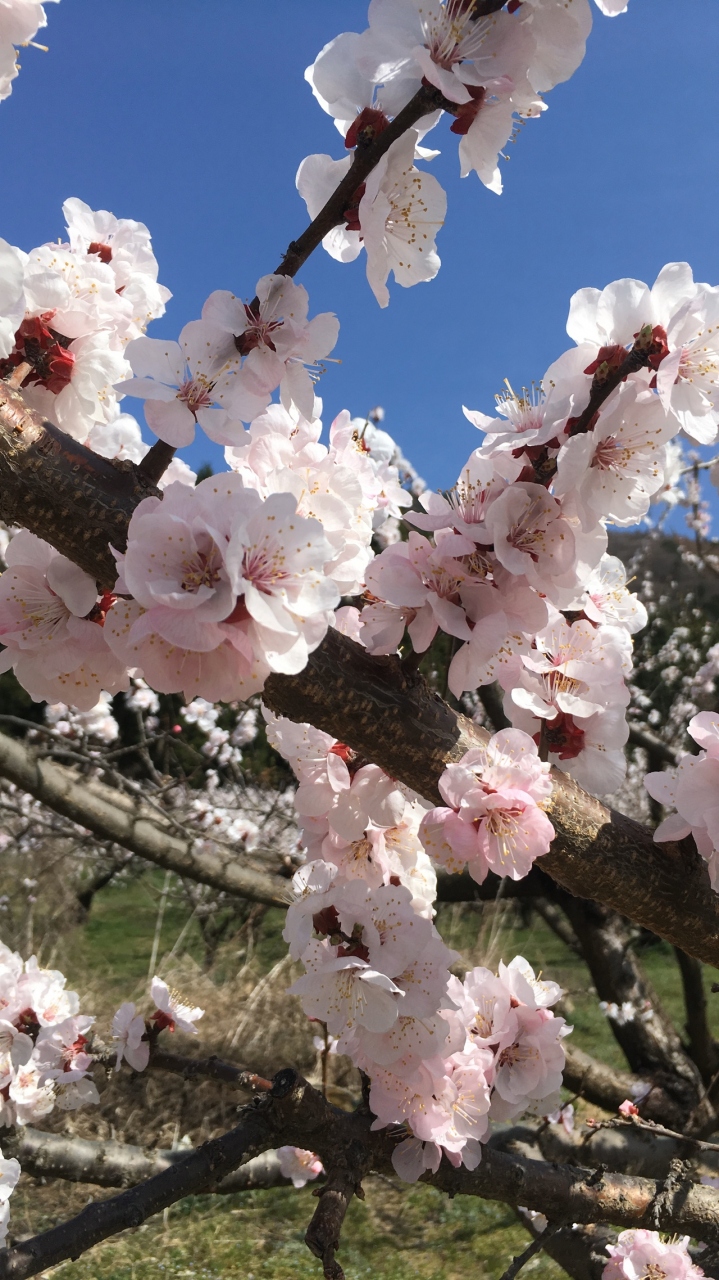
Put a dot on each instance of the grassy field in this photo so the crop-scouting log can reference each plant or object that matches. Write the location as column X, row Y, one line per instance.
column 396, row 1234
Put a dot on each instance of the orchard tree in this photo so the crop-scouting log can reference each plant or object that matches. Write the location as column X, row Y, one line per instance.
column 448, row 675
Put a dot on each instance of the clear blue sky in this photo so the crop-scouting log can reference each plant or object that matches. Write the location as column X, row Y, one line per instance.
column 193, row 115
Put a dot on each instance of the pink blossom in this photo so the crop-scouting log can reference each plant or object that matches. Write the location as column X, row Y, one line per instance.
column 277, row 341
column 531, row 536
column 128, row 1028
column 641, row 1253
column 186, row 382
column 51, row 625
column 492, row 821
column 171, row 1010
column 349, row 798
column 417, row 577
column 345, row 992
column 299, row 1165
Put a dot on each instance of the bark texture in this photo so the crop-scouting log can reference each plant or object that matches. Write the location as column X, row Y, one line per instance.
column 63, row 492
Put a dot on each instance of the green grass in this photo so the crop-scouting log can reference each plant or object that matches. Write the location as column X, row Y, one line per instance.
column 394, row 1235
column 391, row 1236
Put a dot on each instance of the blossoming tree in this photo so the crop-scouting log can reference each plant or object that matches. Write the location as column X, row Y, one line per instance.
column 318, row 575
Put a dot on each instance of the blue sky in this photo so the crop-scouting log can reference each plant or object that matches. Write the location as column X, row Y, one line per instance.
column 193, row 115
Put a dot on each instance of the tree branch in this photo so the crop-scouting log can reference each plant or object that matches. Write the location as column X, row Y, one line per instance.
column 701, row 1044
column 113, row 816
column 297, row 1114
column 119, row 1164
column 63, row 492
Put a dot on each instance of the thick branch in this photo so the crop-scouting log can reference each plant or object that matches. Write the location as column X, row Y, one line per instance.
column 113, row 816
column 607, row 1088
column 118, row 1164
column 63, row 492
column 297, row 1114
column 400, row 724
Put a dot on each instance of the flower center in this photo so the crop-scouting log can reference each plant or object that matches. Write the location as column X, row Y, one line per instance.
column 195, row 393
column 202, row 570
column 257, row 334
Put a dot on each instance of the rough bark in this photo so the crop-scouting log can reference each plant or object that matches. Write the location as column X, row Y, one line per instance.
column 119, row 1164
column 63, row 492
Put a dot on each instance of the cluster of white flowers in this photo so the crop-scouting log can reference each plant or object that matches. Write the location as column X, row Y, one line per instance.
column 44, row 1061
column 68, row 312
column 443, row 1057
column 516, row 568
column 20, row 21
column 222, row 745
column 131, row 1031
column 491, row 72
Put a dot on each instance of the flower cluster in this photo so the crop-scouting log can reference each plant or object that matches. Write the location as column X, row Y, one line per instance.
column 441, row 1056
column 644, row 1253
column 44, row 1061
column 493, row 820
column 20, row 21
column 692, row 791
column 512, row 562
column 67, row 314
column 489, row 73
column 52, row 626
column 224, row 368
column 225, row 587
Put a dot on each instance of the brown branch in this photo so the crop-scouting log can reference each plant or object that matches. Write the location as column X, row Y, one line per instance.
column 607, row 1087
column 701, row 1043
column 647, row 1036
column 535, row 1246
column 119, row 1164
column 63, row 492
column 425, row 101
column 365, row 159
column 110, row 815
column 296, row 1114
column 408, row 730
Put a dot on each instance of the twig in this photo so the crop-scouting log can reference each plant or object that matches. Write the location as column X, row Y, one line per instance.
column 425, row 101
column 535, row 1246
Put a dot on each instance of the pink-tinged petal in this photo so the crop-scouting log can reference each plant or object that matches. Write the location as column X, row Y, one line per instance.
column 225, row 311
column 662, row 786
column 155, row 358
column 146, row 389
column 672, row 828
column 170, row 422
column 25, row 548
column 704, row 729
column 75, row 588
column 666, row 377
column 422, row 629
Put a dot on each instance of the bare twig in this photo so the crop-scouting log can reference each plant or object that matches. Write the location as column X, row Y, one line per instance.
column 535, row 1246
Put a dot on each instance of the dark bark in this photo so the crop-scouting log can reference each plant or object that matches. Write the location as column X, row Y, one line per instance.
column 646, row 1034
column 63, row 492
column 700, row 1042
